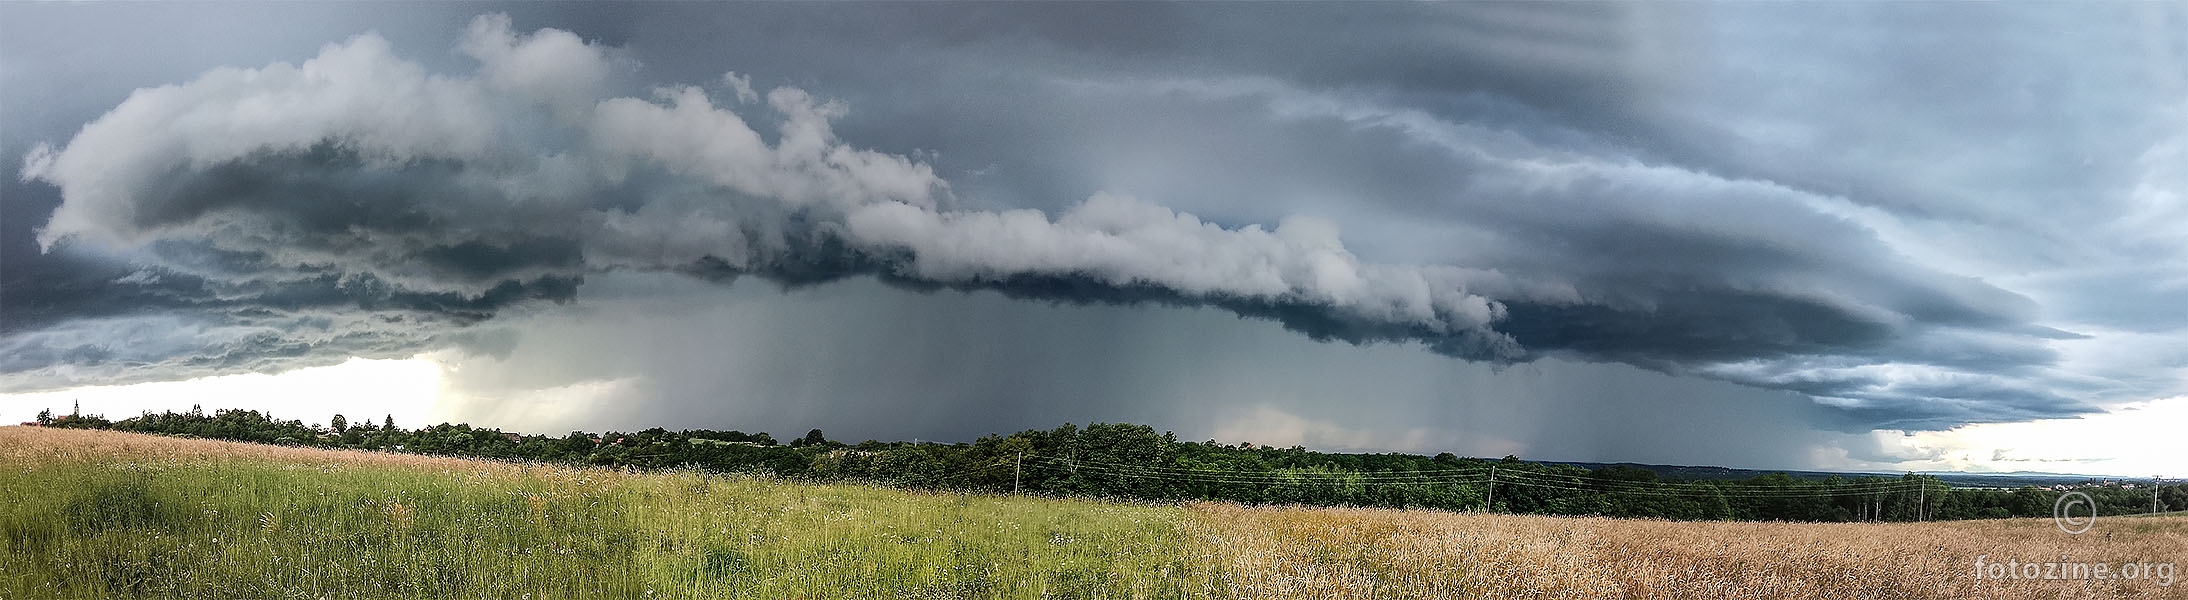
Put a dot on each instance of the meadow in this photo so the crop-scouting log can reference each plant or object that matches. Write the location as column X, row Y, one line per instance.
column 94, row 514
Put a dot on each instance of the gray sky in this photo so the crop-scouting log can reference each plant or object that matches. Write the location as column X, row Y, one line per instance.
column 1751, row 235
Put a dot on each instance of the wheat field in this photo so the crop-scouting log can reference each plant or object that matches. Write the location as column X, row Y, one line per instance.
column 93, row 514
column 1375, row 553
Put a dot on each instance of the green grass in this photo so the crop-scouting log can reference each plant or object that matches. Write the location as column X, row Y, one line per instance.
column 98, row 514
column 85, row 527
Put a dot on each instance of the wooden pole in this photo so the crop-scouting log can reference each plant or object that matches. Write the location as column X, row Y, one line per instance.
column 1491, row 504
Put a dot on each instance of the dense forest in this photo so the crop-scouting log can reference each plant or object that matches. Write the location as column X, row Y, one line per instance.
column 1127, row 461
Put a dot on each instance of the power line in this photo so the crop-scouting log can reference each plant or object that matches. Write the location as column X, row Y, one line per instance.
column 1697, row 485
column 1441, row 475
column 1473, row 476
column 973, row 471
column 1188, row 470
column 1739, row 489
column 1729, row 494
column 1236, row 478
column 1273, row 476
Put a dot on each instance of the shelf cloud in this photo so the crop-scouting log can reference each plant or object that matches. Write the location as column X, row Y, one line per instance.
column 450, row 197
column 1500, row 198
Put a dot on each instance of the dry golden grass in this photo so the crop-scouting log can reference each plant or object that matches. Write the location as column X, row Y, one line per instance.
column 43, row 445
column 1372, row 553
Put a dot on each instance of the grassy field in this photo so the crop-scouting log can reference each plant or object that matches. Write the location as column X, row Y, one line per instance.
column 1354, row 553
column 95, row 514
column 89, row 514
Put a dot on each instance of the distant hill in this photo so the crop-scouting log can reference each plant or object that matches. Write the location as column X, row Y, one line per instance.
column 1955, row 478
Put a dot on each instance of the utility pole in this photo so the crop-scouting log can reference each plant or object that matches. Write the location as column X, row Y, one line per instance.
column 1491, row 504
column 1017, row 466
column 2154, row 480
column 1922, row 502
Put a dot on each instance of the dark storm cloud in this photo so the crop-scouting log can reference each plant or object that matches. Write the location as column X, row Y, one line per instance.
column 413, row 192
column 1637, row 185
column 1042, row 364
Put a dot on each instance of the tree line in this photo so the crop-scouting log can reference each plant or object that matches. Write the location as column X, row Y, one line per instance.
column 1126, row 461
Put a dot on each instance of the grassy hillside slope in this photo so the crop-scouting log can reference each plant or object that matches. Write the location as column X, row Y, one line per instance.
column 86, row 514
column 93, row 514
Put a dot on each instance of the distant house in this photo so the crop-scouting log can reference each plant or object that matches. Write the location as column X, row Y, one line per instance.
column 514, row 438
column 699, row 441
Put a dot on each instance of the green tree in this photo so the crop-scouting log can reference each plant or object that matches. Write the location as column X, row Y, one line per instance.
column 339, row 423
